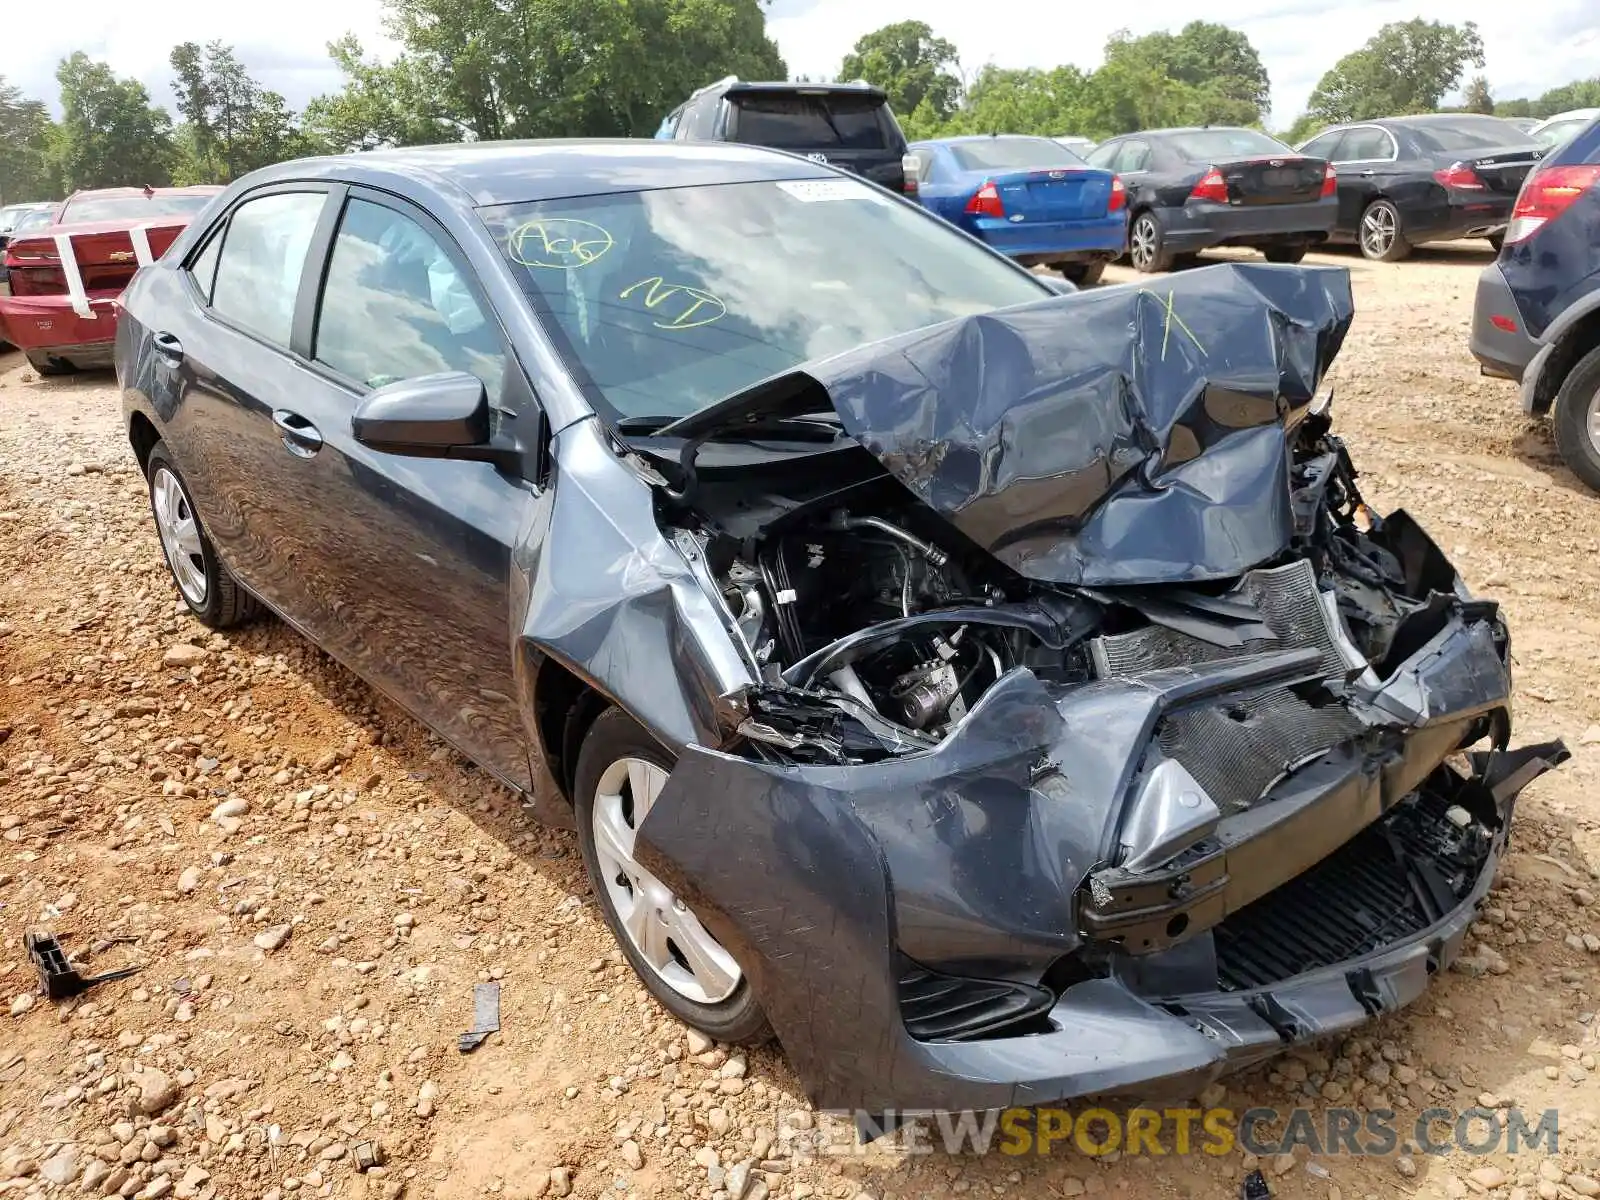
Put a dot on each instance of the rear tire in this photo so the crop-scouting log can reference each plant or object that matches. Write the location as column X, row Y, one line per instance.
column 1380, row 235
column 1083, row 274
column 1147, row 246
column 209, row 591
column 617, row 751
column 43, row 364
column 1285, row 254
column 1577, row 419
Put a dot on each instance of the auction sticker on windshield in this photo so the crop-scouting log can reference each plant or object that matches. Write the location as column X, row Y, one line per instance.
column 814, row 191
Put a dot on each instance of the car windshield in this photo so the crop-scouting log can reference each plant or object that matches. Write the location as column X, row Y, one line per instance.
column 792, row 121
column 35, row 220
column 1013, row 154
column 1209, row 145
column 123, row 208
column 1558, row 133
column 1468, row 133
column 663, row 302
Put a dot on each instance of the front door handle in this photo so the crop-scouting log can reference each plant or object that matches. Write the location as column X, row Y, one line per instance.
column 300, row 436
column 168, row 347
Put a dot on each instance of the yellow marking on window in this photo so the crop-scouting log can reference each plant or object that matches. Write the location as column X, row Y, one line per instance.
column 558, row 242
column 683, row 302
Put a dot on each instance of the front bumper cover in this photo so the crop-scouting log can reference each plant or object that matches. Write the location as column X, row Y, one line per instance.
column 980, row 854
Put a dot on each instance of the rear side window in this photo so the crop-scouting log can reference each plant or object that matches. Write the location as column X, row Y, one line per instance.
column 1104, row 156
column 795, row 122
column 1365, row 145
column 204, row 268
column 396, row 305
column 263, row 255
column 1133, row 156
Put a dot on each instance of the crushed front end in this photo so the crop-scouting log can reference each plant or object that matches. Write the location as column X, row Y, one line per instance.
column 1113, row 761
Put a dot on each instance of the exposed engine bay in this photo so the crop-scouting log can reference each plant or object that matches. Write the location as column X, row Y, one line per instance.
column 877, row 628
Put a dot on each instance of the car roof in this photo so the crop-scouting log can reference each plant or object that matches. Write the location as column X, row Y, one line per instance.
column 511, row 172
column 1572, row 114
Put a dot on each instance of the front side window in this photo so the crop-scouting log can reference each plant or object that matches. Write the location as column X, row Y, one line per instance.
column 1013, row 154
column 263, row 255
column 396, row 306
column 1325, row 145
column 665, row 301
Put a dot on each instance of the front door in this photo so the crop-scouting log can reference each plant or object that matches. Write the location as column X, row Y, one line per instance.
column 400, row 567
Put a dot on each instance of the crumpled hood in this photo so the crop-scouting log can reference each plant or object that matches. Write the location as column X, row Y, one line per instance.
column 1126, row 435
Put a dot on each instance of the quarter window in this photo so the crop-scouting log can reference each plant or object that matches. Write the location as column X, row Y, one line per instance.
column 396, row 306
column 263, row 255
column 204, row 270
column 1323, row 146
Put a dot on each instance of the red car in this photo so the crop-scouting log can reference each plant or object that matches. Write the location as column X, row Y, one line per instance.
column 64, row 279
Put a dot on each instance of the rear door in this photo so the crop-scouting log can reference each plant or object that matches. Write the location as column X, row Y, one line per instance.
column 1367, row 163
column 849, row 130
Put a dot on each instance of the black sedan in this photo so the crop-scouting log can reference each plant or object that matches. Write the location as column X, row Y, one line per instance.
column 1195, row 189
column 991, row 692
column 1432, row 178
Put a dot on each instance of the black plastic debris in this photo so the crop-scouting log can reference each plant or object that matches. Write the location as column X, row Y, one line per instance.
column 1255, row 1187
column 485, row 1017
column 58, row 977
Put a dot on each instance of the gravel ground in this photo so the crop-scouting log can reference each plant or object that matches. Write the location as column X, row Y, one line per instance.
column 312, row 883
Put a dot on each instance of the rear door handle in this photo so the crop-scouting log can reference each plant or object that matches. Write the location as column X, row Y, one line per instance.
column 168, row 347
column 300, row 436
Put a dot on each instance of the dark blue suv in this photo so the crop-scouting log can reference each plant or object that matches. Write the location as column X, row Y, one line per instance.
column 1537, row 314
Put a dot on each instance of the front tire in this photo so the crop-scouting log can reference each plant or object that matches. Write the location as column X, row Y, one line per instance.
column 209, row 591
column 1285, row 254
column 1577, row 419
column 621, row 770
column 1380, row 234
column 1147, row 246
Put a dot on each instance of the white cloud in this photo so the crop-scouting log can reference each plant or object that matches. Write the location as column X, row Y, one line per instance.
column 1530, row 47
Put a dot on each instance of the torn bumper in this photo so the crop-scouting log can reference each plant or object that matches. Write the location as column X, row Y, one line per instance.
column 51, row 325
column 1002, row 858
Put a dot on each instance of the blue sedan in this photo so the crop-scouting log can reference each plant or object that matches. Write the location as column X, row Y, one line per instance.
column 1028, row 197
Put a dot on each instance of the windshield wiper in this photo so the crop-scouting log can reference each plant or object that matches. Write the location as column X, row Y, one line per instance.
column 803, row 427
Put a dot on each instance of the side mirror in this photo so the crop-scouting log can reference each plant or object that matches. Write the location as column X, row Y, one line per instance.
column 431, row 416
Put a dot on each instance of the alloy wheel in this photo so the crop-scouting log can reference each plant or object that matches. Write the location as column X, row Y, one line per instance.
column 660, row 926
column 1378, row 229
column 1142, row 242
column 180, row 535
column 1592, row 422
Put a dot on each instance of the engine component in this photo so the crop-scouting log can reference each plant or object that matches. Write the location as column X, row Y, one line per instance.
column 932, row 690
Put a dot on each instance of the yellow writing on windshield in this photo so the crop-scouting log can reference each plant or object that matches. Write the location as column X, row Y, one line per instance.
column 680, row 306
column 558, row 242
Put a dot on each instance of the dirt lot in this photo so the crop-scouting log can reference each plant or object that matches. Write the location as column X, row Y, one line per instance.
column 313, row 884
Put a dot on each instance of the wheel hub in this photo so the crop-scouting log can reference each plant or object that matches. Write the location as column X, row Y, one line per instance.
column 180, row 535
column 657, row 923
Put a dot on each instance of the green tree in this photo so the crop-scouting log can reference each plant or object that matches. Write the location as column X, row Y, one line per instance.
column 1581, row 93
column 1029, row 101
column 1406, row 67
column 26, row 170
column 110, row 135
column 382, row 104
column 545, row 68
column 1478, row 98
column 1226, row 80
column 913, row 66
column 232, row 125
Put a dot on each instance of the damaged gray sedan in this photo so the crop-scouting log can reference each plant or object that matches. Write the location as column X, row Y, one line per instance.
column 1001, row 696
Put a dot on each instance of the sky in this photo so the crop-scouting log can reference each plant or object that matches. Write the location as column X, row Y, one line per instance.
column 1529, row 48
